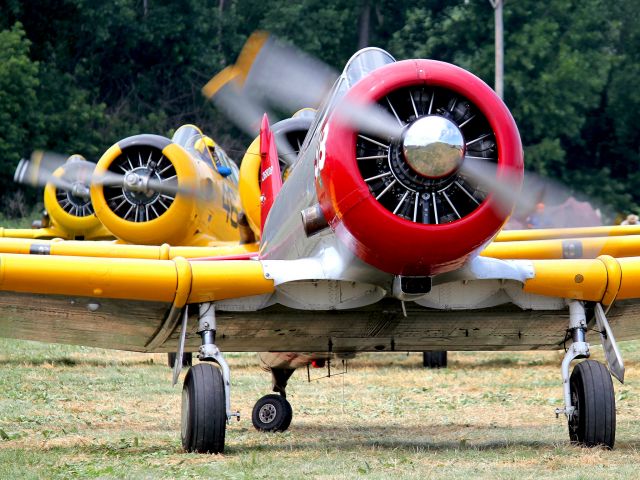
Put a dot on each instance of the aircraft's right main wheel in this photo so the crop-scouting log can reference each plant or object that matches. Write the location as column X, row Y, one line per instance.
column 272, row 413
column 594, row 420
column 434, row 359
column 204, row 416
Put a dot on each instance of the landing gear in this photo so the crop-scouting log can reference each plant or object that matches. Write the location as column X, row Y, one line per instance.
column 187, row 359
column 434, row 359
column 203, row 410
column 594, row 419
column 272, row 413
column 588, row 393
column 206, row 397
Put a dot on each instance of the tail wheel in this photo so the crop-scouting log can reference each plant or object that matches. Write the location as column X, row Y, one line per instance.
column 203, row 410
column 272, row 413
column 594, row 420
column 434, row 359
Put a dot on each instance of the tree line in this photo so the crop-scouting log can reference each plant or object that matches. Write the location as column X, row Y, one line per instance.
column 77, row 76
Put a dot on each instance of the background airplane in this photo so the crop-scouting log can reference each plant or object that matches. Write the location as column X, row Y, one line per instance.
column 68, row 211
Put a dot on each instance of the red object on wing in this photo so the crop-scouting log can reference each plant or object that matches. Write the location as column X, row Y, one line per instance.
column 270, row 177
column 376, row 235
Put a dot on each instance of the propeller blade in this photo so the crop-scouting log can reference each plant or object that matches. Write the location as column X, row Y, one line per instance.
column 283, row 74
column 240, row 107
column 485, row 173
column 44, row 168
column 270, row 73
column 141, row 183
column 370, row 119
column 38, row 169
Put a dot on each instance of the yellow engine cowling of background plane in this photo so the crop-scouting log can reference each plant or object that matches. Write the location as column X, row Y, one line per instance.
column 292, row 130
column 66, row 225
column 249, row 185
column 191, row 218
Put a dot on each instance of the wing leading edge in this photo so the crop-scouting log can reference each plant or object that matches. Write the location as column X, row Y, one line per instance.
column 164, row 285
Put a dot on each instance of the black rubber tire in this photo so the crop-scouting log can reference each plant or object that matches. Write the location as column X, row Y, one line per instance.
column 434, row 359
column 204, row 416
column 187, row 359
column 594, row 422
column 272, row 413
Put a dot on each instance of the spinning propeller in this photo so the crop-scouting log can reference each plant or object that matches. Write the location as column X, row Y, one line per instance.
column 270, row 75
column 74, row 174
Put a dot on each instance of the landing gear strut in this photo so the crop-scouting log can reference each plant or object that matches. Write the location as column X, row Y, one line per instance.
column 588, row 393
column 206, row 403
column 273, row 413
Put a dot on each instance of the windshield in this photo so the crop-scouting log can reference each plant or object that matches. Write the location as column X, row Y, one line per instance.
column 363, row 62
column 191, row 139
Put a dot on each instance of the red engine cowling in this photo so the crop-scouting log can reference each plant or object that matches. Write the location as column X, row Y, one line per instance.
column 395, row 218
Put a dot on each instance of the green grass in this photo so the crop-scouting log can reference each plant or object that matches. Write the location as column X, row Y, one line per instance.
column 75, row 412
column 35, row 213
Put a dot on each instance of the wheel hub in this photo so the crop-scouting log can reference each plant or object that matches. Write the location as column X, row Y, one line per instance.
column 136, row 186
column 267, row 413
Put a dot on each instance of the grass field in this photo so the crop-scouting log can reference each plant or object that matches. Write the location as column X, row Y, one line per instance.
column 74, row 412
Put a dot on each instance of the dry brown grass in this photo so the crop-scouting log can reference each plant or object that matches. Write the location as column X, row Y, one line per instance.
column 70, row 411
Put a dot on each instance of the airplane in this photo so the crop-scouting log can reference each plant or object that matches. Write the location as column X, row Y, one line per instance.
column 68, row 212
column 73, row 214
column 372, row 244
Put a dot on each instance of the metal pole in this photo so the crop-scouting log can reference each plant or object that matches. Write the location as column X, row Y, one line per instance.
column 499, row 47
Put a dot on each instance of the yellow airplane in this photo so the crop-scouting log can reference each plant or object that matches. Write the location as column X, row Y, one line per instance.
column 374, row 242
column 68, row 212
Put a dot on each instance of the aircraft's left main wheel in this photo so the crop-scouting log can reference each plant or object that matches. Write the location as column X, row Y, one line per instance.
column 272, row 413
column 594, row 420
column 204, row 416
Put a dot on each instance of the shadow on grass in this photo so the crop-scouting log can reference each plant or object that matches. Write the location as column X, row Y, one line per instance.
column 505, row 362
column 74, row 362
column 464, row 364
column 320, row 438
column 411, row 440
column 309, row 445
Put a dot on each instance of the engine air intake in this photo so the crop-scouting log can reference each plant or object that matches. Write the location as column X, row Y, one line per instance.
column 418, row 177
column 134, row 199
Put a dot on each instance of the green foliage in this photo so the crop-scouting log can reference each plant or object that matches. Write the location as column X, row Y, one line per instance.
column 77, row 76
column 18, row 97
column 568, row 66
column 327, row 30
